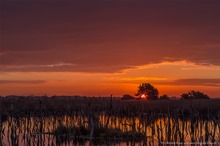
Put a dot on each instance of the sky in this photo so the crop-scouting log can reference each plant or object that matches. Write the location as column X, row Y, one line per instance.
column 99, row 48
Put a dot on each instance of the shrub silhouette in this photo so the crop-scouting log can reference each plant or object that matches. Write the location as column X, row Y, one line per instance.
column 164, row 97
column 194, row 95
column 127, row 97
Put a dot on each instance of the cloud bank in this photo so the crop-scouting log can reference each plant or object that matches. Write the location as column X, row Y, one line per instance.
column 109, row 36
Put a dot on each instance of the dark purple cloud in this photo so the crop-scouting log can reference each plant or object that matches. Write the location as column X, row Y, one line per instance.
column 106, row 36
column 215, row 82
column 22, row 81
column 198, row 82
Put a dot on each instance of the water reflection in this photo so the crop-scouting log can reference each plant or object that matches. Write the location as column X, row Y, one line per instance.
column 34, row 131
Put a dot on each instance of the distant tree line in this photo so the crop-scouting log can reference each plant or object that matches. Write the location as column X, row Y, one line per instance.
column 149, row 92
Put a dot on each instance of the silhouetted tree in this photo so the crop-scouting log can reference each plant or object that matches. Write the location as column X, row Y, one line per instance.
column 149, row 90
column 164, row 97
column 194, row 95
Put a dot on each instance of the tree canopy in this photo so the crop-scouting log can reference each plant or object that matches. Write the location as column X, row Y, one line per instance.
column 194, row 95
column 148, row 90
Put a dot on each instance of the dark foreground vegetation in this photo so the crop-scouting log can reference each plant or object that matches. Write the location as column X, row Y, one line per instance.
column 22, row 106
column 105, row 119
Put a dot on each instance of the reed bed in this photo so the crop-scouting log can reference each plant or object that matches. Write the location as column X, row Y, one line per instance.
column 76, row 120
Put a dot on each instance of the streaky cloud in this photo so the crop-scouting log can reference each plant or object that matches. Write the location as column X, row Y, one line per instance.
column 22, row 81
column 197, row 82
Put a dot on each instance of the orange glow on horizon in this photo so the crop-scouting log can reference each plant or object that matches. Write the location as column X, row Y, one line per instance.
column 101, row 84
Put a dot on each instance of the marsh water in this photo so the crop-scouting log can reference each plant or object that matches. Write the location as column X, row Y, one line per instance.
column 35, row 130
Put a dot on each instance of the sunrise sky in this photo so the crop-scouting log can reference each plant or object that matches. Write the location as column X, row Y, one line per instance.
column 98, row 48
